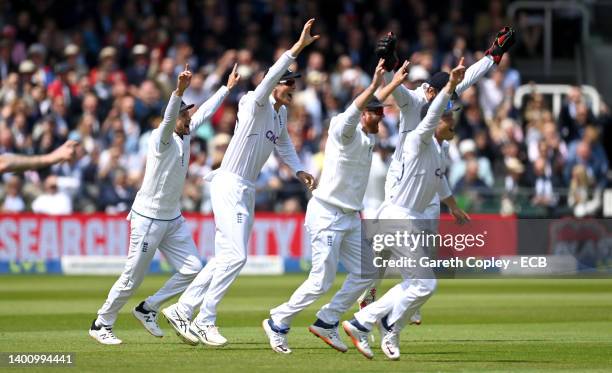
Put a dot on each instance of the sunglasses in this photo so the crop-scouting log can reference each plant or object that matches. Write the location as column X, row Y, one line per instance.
column 288, row 82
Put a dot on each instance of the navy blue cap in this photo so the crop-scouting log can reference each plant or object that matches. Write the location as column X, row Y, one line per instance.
column 185, row 107
column 288, row 75
column 374, row 104
column 438, row 80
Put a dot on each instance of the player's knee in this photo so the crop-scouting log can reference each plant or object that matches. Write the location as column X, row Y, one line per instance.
column 192, row 268
column 321, row 286
column 428, row 286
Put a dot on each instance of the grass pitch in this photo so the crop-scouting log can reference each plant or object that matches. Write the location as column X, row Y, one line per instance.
column 468, row 325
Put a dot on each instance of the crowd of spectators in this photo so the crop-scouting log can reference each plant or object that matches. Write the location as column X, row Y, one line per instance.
column 101, row 73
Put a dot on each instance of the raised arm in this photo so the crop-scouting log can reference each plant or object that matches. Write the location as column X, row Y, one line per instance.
column 475, row 72
column 264, row 89
column 428, row 125
column 395, row 82
column 208, row 108
column 19, row 163
column 343, row 126
column 172, row 110
column 386, row 49
column 503, row 42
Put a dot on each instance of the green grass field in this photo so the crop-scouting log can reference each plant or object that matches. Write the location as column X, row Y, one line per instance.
column 468, row 325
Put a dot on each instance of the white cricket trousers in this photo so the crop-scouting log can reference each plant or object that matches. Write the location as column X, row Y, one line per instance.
column 174, row 240
column 432, row 216
column 405, row 298
column 233, row 204
column 335, row 236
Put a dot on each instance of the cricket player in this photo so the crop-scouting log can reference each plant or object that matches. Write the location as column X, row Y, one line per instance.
column 333, row 221
column 422, row 161
column 155, row 218
column 411, row 102
column 261, row 128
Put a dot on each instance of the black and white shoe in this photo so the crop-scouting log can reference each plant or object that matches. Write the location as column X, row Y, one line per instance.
column 103, row 334
column 180, row 324
column 148, row 319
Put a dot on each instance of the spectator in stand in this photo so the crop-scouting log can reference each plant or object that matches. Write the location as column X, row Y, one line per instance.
column 52, row 201
column 544, row 189
column 492, row 93
column 468, row 151
column 583, row 198
column 117, row 196
column 574, row 116
column 590, row 153
column 139, row 68
column 471, row 189
column 12, row 201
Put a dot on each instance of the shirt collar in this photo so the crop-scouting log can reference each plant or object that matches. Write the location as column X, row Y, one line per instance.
column 273, row 101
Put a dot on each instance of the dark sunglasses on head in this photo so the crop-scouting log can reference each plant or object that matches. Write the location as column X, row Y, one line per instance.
column 288, row 82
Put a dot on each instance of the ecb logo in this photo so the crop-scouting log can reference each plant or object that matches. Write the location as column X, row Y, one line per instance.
column 271, row 136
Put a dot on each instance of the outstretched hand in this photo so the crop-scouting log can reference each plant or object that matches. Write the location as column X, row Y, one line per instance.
column 401, row 74
column 234, row 78
column 377, row 79
column 66, row 152
column 183, row 81
column 456, row 75
column 305, row 38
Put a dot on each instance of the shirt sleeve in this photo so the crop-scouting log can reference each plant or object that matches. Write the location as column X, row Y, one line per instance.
column 167, row 125
column 286, row 151
column 404, row 97
column 444, row 190
column 208, row 108
column 277, row 70
column 474, row 73
column 344, row 125
column 428, row 125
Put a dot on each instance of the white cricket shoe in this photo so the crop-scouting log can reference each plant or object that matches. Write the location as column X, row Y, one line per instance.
column 180, row 323
column 389, row 343
column 359, row 339
column 329, row 336
column 278, row 341
column 148, row 320
column 103, row 334
column 208, row 334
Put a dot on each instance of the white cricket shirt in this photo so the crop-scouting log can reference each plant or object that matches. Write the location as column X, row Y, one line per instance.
column 423, row 163
column 168, row 161
column 347, row 162
column 260, row 129
column 410, row 103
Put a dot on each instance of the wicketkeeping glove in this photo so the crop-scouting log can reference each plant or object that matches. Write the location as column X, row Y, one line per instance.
column 503, row 41
column 385, row 48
